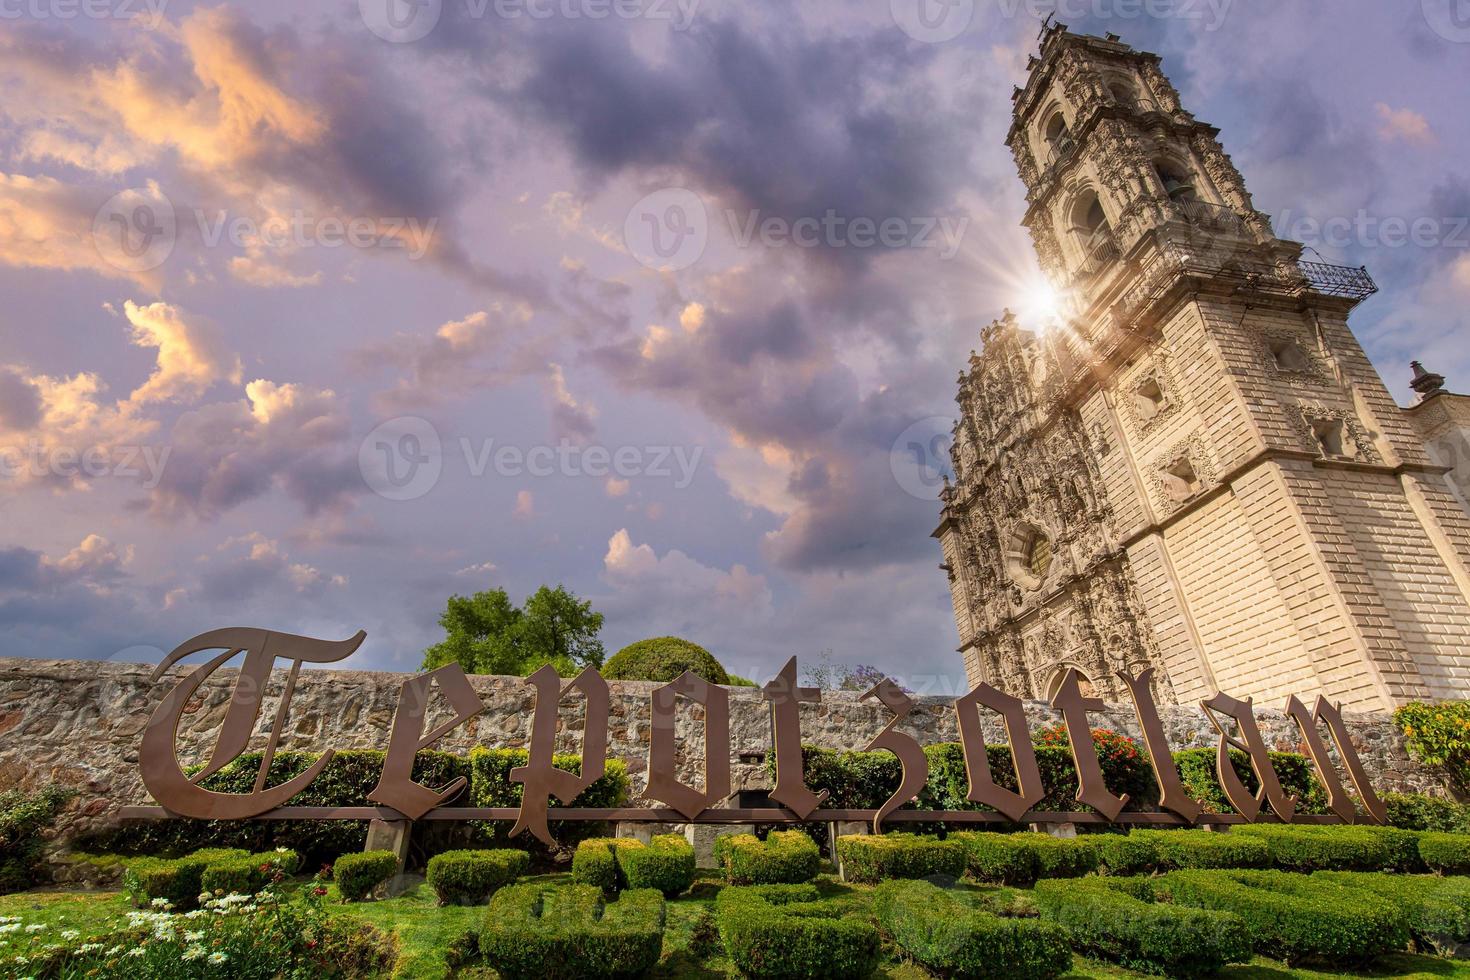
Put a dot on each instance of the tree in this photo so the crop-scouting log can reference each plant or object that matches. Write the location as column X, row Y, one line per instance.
column 663, row 658
column 487, row 634
column 829, row 675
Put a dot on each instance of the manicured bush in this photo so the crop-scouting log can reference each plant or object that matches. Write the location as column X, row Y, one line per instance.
column 666, row 864
column 1293, row 917
column 1007, row 858
column 1416, row 811
column 1293, row 770
column 490, row 786
column 571, row 931
column 469, row 877
column 1308, row 848
column 1205, row 849
column 23, row 817
column 785, row 857
column 1121, row 854
column 785, row 931
column 1445, row 853
column 177, row 881
column 953, row 938
column 1437, row 909
column 358, row 875
column 1118, row 919
column 248, row 874
column 663, row 659
column 870, row 859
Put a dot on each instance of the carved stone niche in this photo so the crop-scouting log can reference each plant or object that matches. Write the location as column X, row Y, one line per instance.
column 1028, row 555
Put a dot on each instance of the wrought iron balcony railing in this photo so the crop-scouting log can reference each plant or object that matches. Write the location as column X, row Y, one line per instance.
column 1101, row 252
column 1211, row 217
column 1339, row 280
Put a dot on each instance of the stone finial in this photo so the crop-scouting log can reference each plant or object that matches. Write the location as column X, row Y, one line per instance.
column 1426, row 383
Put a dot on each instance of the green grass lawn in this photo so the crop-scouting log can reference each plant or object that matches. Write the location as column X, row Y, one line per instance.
column 424, row 932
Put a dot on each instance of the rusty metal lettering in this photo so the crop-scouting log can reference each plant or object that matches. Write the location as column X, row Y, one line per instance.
column 1248, row 739
column 540, row 776
column 786, row 700
column 396, row 787
column 983, row 788
column 1091, row 788
column 1172, row 796
column 158, row 760
column 663, row 783
column 1338, row 800
column 910, row 753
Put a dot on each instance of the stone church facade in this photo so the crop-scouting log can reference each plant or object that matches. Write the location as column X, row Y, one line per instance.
column 1195, row 468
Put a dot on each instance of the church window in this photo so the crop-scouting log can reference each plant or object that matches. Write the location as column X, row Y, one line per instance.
column 1181, row 480
column 1176, row 183
column 1288, row 356
column 1038, row 555
column 1334, row 439
column 1149, row 399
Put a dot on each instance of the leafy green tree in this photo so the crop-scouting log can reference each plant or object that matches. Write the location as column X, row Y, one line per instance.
column 487, row 634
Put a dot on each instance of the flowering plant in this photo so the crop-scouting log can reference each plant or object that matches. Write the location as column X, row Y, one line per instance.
column 1439, row 735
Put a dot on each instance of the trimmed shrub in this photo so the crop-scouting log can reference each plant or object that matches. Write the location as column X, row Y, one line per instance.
column 952, row 938
column 1307, row 848
column 490, row 786
column 469, row 877
column 785, row 857
column 1062, row 857
column 177, row 881
column 784, row 931
column 665, row 864
column 1437, row 909
column 871, row 859
column 1007, row 858
column 569, row 932
column 1415, row 811
column 1121, row 854
column 1293, row 770
column 248, row 874
column 358, row 875
column 1293, row 917
column 1445, row 853
column 23, row 818
column 1205, row 849
column 1118, row 920
column 663, row 659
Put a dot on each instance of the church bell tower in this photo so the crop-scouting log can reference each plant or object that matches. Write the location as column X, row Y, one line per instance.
column 1195, row 467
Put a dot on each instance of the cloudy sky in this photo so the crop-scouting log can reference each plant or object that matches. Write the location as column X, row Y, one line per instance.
column 317, row 313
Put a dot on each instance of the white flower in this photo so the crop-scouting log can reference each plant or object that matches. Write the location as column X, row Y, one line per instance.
column 9, row 927
column 114, row 950
column 217, row 958
column 35, row 928
column 136, row 951
column 193, row 953
column 89, row 947
column 204, row 897
column 161, row 903
column 70, row 934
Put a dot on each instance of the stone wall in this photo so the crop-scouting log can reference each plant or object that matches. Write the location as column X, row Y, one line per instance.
column 79, row 724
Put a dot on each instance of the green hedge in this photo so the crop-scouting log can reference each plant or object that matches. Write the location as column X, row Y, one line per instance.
column 663, row 659
column 1118, row 920
column 469, row 877
column 1205, row 849
column 1445, row 853
column 248, row 874
column 1415, row 811
column 783, row 932
column 177, row 881
column 23, row 818
column 1304, row 847
column 1437, row 909
column 1293, row 770
column 1122, row 854
column 785, row 857
column 358, row 875
column 949, row 936
column 1023, row 857
column 1293, row 917
column 490, row 786
column 665, row 864
column 541, row 932
column 870, row 859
